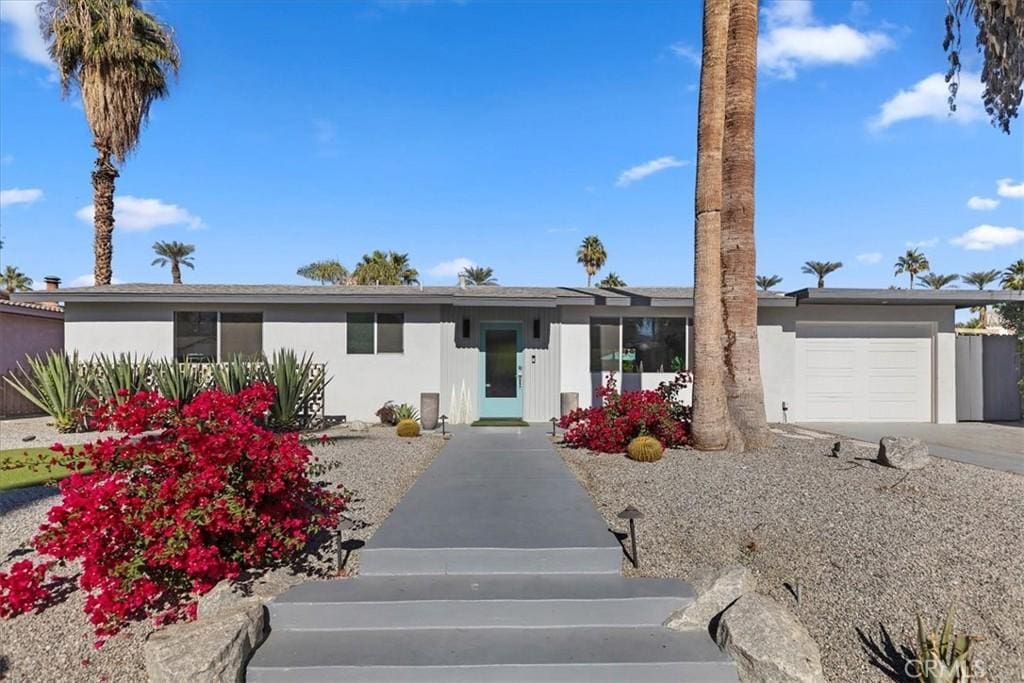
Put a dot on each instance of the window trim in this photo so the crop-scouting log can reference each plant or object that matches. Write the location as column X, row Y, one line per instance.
column 687, row 340
column 218, row 338
column 374, row 324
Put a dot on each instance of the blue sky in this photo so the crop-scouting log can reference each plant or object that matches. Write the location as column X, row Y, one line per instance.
column 502, row 133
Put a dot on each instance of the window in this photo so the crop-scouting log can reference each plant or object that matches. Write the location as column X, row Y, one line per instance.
column 536, row 328
column 465, row 328
column 604, row 344
column 638, row 344
column 653, row 344
column 197, row 333
column 195, row 336
column 241, row 334
column 389, row 332
column 369, row 333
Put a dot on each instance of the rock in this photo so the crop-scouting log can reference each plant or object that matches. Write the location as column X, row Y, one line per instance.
column 430, row 409
column 768, row 643
column 29, row 437
column 568, row 402
column 358, row 426
column 214, row 648
column 903, row 452
column 228, row 595
column 715, row 591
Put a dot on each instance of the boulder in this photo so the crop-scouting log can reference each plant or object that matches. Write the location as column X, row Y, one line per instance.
column 715, row 591
column 214, row 648
column 358, row 426
column 903, row 452
column 768, row 643
column 228, row 595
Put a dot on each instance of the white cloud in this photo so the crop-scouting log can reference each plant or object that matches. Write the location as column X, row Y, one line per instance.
column 988, row 237
column 982, row 203
column 687, row 52
column 870, row 258
column 19, row 196
column 136, row 214
column 1006, row 188
column 27, row 40
column 929, row 99
column 794, row 39
column 923, row 243
column 450, row 268
column 88, row 280
column 632, row 175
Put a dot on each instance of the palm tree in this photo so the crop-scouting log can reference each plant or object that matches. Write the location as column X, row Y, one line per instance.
column 591, row 255
column 821, row 269
column 1013, row 276
column 711, row 422
column 936, row 281
column 913, row 262
column 612, row 280
column 479, row 276
column 177, row 254
column 766, row 282
column 120, row 57
column 380, row 268
column 13, row 280
column 743, row 387
column 981, row 279
column 328, row 272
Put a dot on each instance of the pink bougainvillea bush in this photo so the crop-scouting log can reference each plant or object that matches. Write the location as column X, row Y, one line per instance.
column 609, row 427
column 186, row 498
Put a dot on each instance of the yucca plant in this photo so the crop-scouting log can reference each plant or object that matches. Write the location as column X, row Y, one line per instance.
column 238, row 373
column 298, row 384
column 405, row 412
column 179, row 382
column 944, row 657
column 57, row 385
column 116, row 377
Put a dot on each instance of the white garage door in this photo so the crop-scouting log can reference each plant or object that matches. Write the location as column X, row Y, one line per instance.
column 862, row 372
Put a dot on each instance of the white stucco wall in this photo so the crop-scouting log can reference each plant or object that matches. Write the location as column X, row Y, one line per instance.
column 142, row 329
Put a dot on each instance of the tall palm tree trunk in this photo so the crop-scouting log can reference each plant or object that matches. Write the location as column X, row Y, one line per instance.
column 739, row 295
column 821, row 281
column 711, row 425
column 103, row 177
column 175, row 272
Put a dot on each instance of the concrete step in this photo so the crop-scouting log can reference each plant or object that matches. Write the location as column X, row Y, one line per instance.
column 490, row 601
column 455, row 561
column 583, row 655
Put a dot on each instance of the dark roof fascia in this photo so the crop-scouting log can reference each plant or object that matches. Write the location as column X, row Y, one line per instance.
column 959, row 298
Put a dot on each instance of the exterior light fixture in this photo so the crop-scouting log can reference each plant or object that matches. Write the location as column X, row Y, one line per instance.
column 443, row 418
column 632, row 514
column 344, row 524
column 554, row 423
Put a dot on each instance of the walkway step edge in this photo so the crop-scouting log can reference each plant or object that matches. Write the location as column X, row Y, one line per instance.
column 459, row 561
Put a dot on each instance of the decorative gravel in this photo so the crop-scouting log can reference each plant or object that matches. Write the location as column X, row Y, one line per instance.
column 871, row 547
column 376, row 467
column 40, row 432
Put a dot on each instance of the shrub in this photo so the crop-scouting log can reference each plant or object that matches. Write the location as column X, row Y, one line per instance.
column 116, row 377
column 406, row 412
column 297, row 384
column 57, row 385
column 408, row 428
column 386, row 413
column 645, row 449
column 179, row 382
column 238, row 373
column 166, row 516
column 945, row 658
column 608, row 428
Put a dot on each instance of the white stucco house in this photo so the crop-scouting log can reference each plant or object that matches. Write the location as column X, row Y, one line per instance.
column 826, row 354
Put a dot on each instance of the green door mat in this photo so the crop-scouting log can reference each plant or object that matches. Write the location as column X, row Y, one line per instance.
column 500, row 422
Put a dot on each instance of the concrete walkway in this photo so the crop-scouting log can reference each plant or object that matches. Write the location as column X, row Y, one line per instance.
column 494, row 567
column 996, row 446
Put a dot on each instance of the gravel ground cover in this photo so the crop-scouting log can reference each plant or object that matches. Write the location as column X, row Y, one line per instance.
column 375, row 466
column 870, row 546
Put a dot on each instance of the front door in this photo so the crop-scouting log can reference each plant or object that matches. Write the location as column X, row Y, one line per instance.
column 501, row 370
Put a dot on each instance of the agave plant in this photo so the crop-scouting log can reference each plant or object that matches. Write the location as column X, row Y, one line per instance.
column 179, row 382
column 298, row 384
column 406, row 412
column 945, row 657
column 238, row 373
column 115, row 378
column 57, row 385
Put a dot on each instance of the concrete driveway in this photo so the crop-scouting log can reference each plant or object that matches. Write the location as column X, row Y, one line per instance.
column 995, row 445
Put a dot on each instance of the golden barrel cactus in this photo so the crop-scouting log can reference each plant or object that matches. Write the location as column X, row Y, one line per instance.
column 408, row 428
column 645, row 449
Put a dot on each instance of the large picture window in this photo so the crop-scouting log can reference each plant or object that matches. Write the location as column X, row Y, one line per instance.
column 209, row 336
column 638, row 345
column 369, row 333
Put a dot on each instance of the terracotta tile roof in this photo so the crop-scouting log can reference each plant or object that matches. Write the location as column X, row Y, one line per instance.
column 37, row 306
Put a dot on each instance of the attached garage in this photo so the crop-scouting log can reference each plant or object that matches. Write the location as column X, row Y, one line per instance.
column 864, row 371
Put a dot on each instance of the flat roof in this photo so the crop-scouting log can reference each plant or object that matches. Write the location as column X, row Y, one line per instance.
column 543, row 297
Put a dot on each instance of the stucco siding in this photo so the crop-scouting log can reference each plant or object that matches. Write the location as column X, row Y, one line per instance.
column 142, row 329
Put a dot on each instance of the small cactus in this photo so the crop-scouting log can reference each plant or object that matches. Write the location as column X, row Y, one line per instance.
column 645, row 449
column 944, row 657
column 408, row 428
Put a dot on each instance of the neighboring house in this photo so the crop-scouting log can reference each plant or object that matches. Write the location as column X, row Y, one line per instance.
column 826, row 354
column 26, row 329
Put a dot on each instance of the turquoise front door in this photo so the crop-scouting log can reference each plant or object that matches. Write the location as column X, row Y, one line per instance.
column 501, row 370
